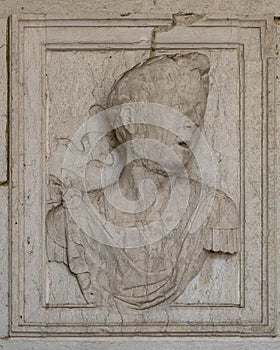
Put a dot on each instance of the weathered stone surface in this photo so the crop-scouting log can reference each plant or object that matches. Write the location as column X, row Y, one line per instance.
column 141, row 343
column 4, row 250
column 234, row 8
column 3, row 104
column 216, row 65
column 159, row 275
column 186, row 250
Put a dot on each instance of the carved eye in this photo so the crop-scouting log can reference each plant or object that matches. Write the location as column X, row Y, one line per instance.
column 183, row 144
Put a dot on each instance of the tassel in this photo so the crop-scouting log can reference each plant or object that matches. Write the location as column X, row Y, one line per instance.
column 222, row 240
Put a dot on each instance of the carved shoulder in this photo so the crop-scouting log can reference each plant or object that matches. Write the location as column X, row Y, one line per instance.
column 224, row 212
column 222, row 229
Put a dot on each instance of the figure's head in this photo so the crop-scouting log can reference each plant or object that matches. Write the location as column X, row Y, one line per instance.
column 178, row 81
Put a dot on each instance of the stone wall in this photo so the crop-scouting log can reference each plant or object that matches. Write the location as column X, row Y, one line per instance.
column 63, row 62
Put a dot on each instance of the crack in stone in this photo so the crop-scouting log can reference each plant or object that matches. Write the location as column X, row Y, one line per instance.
column 186, row 19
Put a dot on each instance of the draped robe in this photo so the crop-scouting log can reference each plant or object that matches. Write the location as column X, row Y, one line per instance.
column 144, row 277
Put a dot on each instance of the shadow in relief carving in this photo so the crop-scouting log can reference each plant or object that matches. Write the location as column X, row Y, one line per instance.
column 144, row 276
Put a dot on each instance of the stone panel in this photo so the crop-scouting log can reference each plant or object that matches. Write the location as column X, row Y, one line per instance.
column 210, row 274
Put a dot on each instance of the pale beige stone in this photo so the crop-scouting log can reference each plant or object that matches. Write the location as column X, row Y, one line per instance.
column 3, row 104
column 212, row 70
column 4, row 259
column 75, row 76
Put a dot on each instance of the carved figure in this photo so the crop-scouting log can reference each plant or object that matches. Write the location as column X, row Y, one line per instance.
column 154, row 274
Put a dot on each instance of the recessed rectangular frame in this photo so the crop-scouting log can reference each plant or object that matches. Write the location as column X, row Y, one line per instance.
column 31, row 37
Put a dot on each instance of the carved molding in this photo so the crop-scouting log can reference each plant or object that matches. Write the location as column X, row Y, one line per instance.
column 33, row 40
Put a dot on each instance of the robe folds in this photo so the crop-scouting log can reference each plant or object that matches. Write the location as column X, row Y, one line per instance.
column 143, row 277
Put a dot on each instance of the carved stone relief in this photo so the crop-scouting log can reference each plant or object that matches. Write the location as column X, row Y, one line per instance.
column 139, row 200
column 156, row 273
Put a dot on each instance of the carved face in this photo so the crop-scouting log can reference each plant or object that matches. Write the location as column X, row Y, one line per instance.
column 177, row 81
column 181, row 149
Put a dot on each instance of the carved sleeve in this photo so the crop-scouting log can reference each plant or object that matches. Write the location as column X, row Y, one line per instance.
column 222, row 230
column 56, row 240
